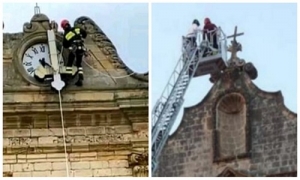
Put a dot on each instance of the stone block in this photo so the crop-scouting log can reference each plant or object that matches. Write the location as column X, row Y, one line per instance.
column 95, row 130
column 6, row 168
column 22, row 167
column 42, row 166
column 22, row 133
column 22, row 174
column 60, row 165
column 139, row 126
column 57, row 131
column 8, row 133
column 76, row 131
column 80, row 165
column 41, row 174
column 121, row 171
column 60, row 173
column 98, row 164
column 123, row 129
column 118, row 163
column 83, row 173
column 102, row 173
column 47, row 140
column 36, row 156
column 39, row 132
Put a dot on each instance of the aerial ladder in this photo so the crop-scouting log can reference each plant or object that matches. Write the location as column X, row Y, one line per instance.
column 195, row 61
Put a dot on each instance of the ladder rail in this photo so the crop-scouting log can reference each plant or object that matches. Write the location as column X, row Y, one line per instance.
column 160, row 100
column 179, row 67
column 164, row 114
column 175, row 71
column 165, row 135
column 157, row 127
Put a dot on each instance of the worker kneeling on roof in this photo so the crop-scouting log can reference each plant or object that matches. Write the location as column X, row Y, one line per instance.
column 73, row 40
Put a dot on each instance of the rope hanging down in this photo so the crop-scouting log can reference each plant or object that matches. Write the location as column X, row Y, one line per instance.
column 63, row 133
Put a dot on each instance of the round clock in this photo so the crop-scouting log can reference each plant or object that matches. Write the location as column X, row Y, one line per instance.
column 33, row 52
column 34, row 56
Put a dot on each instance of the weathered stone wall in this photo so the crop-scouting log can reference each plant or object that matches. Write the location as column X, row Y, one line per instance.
column 271, row 135
column 98, row 144
column 106, row 120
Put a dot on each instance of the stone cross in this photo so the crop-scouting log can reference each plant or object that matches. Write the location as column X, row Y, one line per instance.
column 235, row 46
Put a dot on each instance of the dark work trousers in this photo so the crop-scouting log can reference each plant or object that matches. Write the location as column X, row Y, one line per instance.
column 214, row 42
column 78, row 54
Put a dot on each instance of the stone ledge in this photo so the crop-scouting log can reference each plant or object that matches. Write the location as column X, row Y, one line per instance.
column 114, row 87
column 116, row 130
column 73, row 96
column 75, row 140
column 78, row 147
column 69, row 106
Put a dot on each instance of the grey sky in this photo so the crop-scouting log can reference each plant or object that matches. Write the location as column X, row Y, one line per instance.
column 126, row 25
column 270, row 42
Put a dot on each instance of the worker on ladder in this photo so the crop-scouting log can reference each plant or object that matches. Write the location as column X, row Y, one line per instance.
column 193, row 31
column 210, row 34
column 190, row 40
column 73, row 40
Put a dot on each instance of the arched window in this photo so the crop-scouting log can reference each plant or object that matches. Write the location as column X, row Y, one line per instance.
column 230, row 127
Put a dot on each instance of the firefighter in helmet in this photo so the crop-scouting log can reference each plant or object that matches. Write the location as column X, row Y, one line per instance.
column 73, row 40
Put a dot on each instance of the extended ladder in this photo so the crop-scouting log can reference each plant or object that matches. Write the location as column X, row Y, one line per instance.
column 191, row 64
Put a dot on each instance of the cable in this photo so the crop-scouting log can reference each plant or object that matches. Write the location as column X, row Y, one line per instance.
column 63, row 129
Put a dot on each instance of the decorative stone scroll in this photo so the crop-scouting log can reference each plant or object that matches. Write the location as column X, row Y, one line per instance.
column 106, row 46
column 139, row 164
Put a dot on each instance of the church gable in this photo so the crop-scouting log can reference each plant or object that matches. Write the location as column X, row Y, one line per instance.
column 102, row 66
column 99, row 129
column 235, row 124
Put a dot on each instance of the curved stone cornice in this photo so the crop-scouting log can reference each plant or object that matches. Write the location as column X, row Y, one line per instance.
column 232, row 81
column 107, row 46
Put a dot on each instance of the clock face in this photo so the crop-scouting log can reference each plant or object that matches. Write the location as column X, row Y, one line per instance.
column 33, row 56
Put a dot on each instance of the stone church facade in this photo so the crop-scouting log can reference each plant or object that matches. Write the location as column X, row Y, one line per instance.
column 105, row 120
column 237, row 130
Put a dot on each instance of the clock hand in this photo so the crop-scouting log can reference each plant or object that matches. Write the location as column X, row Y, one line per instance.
column 57, row 83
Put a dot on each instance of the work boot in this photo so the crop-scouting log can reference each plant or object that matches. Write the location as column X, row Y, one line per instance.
column 81, row 76
column 79, row 83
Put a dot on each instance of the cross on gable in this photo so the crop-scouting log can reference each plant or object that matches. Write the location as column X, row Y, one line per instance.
column 235, row 46
column 235, row 34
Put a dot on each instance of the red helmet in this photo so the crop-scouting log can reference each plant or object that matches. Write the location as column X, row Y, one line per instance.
column 64, row 23
column 206, row 21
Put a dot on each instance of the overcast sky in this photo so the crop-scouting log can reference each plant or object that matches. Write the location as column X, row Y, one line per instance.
column 126, row 25
column 270, row 43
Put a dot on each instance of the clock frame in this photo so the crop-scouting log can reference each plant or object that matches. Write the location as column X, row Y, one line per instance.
column 27, row 42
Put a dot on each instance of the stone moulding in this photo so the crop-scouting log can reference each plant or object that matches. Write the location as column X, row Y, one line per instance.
column 221, row 87
column 79, row 147
column 251, row 87
column 139, row 164
column 107, row 46
column 74, row 101
column 35, row 32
